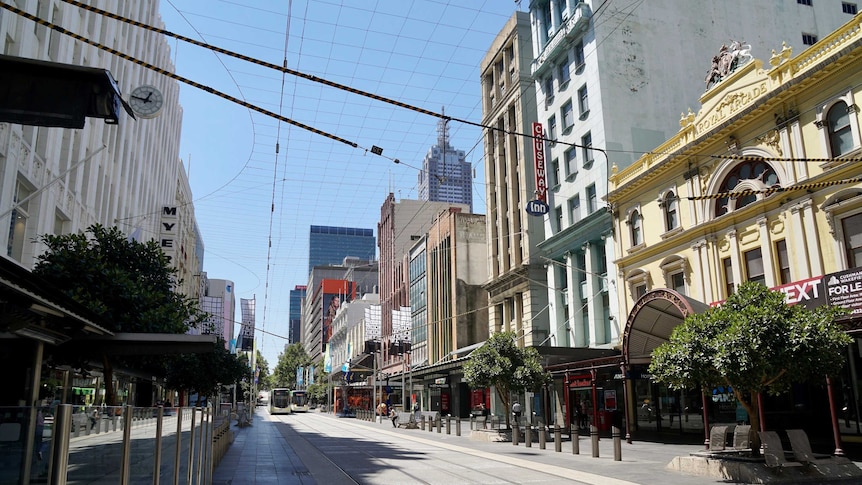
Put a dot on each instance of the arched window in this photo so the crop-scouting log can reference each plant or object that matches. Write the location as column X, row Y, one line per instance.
column 752, row 175
column 840, row 134
column 635, row 223
column 671, row 211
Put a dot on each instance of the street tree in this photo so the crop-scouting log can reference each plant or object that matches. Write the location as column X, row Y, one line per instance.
column 501, row 364
column 293, row 357
column 205, row 373
column 755, row 343
column 263, row 376
column 130, row 284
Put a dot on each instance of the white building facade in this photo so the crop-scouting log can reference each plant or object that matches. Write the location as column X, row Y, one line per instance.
column 122, row 175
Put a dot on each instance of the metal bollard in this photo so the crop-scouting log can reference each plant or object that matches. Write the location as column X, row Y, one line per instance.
column 542, row 438
column 448, row 424
column 515, row 437
column 472, row 420
column 618, row 448
column 528, row 435
column 422, row 422
column 594, row 436
column 439, row 424
column 558, row 438
column 576, row 443
column 458, row 426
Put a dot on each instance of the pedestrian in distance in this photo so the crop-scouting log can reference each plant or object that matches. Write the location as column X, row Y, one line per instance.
column 484, row 413
column 381, row 410
column 516, row 411
column 394, row 417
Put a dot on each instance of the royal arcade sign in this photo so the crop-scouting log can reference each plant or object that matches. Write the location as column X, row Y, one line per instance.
column 539, row 205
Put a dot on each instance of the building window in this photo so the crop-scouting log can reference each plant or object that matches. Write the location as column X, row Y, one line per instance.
column 587, row 148
column 840, row 134
column 555, row 171
column 579, row 56
column 18, row 222
column 852, row 228
column 783, row 261
column 575, row 209
column 671, row 211
column 567, row 115
column 558, row 217
column 848, row 8
column 804, row 2
column 809, row 39
column 729, row 286
column 636, row 230
column 591, row 199
column 754, row 266
column 583, row 102
column 552, row 129
column 677, row 282
column 565, row 73
column 548, row 85
column 639, row 291
column 571, row 163
column 756, row 174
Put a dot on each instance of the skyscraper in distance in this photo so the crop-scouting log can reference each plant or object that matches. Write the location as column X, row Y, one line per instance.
column 446, row 174
column 296, row 296
column 330, row 245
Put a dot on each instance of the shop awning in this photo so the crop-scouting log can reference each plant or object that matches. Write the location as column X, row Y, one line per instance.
column 652, row 320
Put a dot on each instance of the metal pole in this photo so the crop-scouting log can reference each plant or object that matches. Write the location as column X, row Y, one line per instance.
column 618, row 448
column 179, row 445
column 126, row 463
column 157, row 458
column 192, row 446
column 59, row 464
column 403, row 390
column 836, row 433
column 594, row 437
column 558, row 439
column 528, row 435
column 458, row 426
column 201, row 446
column 542, row 438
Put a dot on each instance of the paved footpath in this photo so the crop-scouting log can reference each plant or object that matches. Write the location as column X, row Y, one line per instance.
column 265, row 453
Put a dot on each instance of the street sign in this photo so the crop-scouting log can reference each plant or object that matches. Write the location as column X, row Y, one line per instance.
column 537, row 208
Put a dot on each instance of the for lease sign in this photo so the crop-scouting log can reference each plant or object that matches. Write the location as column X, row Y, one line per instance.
column 845, row 289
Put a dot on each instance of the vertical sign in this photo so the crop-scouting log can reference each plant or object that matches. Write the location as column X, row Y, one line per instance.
column 539, row 158
column 247, row 328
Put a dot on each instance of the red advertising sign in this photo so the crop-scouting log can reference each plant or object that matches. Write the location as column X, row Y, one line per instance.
column 539, row 158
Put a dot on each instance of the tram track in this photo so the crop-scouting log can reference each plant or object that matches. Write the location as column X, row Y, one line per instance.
column 489, row 471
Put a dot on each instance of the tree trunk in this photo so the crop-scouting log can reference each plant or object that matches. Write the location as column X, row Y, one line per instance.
column 108, row 372
column 503, row 394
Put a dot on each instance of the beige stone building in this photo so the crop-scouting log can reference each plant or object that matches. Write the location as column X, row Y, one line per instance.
column 762, row 183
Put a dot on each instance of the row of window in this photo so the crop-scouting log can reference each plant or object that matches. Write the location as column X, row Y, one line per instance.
column 846, row 7
column 563, row 73
column 574, row 208
column 570, row 160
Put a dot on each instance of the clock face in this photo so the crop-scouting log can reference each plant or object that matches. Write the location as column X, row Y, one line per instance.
column 146, row 101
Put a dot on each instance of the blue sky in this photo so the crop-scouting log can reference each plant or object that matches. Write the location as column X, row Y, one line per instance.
column 425, row 53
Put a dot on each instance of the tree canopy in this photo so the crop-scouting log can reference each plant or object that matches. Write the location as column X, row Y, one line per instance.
column 129, row 283
column 204, row 373
column 501, row 364
column 755, row 343
column 263, row 375
column 293, row 357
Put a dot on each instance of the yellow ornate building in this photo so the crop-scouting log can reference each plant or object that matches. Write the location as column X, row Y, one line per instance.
column 762, row 184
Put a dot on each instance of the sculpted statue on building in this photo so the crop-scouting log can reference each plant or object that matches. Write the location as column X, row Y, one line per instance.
column 729, row 58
